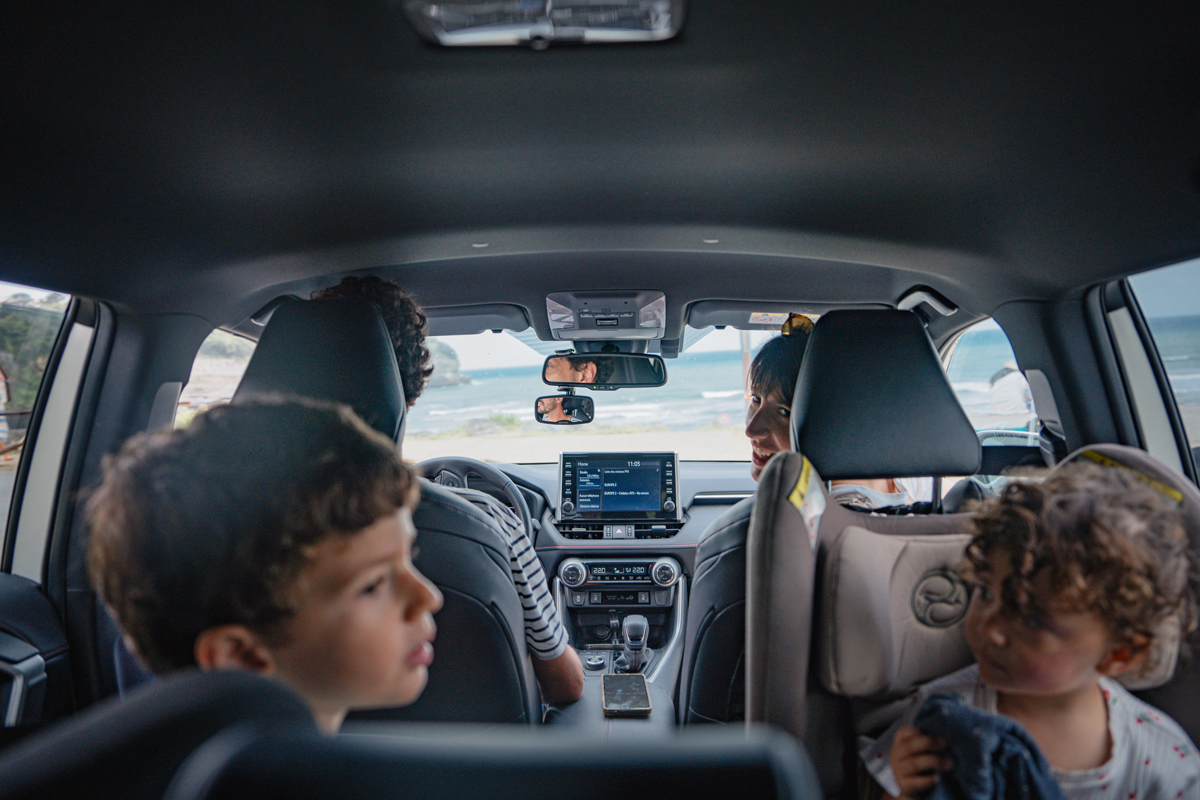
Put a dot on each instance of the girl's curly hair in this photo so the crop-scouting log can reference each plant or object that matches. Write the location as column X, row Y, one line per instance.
column 1108, row 542
column 405, row 322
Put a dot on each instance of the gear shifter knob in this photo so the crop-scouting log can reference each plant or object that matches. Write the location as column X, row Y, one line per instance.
column 634, row 630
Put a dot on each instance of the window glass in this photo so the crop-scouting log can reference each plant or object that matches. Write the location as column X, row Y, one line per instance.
column 984, row 374
column 30, row 320
column 1170, row 301
column 216, row 372
column 480, row 403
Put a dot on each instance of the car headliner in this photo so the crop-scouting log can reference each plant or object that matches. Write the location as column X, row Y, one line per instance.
column 207, row 157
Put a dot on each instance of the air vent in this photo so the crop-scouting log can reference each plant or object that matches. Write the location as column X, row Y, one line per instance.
column 619, row 530
column 581, row 530
column 656, row 530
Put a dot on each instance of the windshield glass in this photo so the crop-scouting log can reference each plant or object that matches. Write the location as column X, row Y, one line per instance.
column 480, row 403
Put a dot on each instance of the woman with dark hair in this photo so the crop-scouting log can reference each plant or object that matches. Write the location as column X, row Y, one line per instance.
column 772, row 381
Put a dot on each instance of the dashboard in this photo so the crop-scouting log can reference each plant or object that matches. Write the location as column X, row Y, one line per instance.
column 617, row 535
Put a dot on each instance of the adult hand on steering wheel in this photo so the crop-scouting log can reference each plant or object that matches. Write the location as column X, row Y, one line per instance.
column 452, row 471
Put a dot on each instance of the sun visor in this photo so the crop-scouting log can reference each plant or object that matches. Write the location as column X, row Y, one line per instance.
column 466, row 320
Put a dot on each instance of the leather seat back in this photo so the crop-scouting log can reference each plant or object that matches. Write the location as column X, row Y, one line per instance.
column 339, row 350
column 525, row 765
column 132, row 746
column 712, row 685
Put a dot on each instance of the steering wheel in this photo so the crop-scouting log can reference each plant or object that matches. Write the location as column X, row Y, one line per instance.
column 452, row 471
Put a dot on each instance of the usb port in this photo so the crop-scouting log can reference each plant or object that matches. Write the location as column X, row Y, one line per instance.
column 606, row 322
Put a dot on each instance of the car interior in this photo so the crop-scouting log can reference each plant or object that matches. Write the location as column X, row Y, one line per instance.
column 992, row 213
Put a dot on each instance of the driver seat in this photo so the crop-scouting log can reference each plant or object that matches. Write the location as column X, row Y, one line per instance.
column 339, row 350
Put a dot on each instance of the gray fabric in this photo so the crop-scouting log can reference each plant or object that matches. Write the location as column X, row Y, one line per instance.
column 870, row 640
column 780, row 574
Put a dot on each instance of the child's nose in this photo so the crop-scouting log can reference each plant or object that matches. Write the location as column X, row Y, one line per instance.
column 993, row 629
column 425, row 596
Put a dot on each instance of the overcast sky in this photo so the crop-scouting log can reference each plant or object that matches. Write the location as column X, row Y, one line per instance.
column 1169, row 292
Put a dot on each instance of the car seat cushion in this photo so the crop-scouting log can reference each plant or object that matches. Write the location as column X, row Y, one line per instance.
column 892, row 612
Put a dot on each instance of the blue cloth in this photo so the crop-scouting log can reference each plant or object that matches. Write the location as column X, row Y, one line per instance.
column 994, row 758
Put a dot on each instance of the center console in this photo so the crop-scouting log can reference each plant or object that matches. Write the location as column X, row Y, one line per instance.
column 613, row 498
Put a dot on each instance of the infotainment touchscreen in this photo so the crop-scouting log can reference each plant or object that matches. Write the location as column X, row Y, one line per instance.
column 619, row 486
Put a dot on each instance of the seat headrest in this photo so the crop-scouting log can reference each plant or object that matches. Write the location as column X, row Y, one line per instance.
column 335, row 350
column 872, row 401
column 1164, row 653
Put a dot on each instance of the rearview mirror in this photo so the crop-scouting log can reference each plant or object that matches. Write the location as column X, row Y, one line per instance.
column 605, row 370
column 564, row 410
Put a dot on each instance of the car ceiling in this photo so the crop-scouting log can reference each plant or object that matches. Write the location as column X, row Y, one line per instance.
column 206, row 158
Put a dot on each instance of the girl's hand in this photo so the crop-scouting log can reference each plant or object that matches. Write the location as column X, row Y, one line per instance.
column 916, row 761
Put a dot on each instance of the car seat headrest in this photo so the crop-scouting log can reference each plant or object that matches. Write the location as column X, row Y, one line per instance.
column 335, row 350
column 1164, row 652
column 872, row 401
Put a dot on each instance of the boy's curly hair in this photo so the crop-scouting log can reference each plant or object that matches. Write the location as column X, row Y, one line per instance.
column 1108, row 542
column 211, row 525
column 404, row 320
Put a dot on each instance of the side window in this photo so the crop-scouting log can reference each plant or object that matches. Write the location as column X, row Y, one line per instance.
column 30, row 321
column 992, row 389
column 216, row 372
column 1169, row 301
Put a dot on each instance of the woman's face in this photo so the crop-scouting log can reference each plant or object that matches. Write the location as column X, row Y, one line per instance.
column 768, row 426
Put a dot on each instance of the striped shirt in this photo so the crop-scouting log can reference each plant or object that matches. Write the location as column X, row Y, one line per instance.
column 544, row 633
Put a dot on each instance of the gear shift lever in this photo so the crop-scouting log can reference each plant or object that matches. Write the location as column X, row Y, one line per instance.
column 635, row 655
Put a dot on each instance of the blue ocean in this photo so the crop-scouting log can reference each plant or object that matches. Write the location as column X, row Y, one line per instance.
column 1178, row 340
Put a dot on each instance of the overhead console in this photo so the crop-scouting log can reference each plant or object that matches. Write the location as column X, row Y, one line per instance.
column 618, row 495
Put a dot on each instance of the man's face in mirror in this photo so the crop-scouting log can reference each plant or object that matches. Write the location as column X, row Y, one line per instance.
column 561, row 370
column 551, row 409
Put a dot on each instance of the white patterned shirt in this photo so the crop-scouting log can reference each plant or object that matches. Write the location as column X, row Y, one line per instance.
column 544, row 633
column 1152, row 757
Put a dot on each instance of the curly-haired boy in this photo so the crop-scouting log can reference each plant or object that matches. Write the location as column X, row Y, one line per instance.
column 272, row 535
column 1075, row 576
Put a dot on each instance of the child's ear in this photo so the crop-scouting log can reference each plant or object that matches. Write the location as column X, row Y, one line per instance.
column 1124, row 657
column 233, row 647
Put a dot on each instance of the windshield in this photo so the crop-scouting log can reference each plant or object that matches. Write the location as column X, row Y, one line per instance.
column 480, row 403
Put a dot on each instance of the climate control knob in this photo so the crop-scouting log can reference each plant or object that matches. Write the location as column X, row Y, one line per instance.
column 665, row 572
column 572, row 572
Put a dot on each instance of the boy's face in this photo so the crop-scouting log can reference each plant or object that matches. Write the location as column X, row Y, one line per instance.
column 363, row 625
column 1051, row 652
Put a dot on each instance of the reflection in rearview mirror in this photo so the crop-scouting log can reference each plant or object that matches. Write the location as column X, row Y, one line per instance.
column 564, row 410
column 605, row 370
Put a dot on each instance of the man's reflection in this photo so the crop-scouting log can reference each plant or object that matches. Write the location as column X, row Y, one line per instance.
column 550, row 409
column 571, row 369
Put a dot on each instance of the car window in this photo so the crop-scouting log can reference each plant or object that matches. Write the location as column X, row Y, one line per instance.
column 991, row 387
column 1169, row 301
column 216, row 372
column 993, row 391
column 480, row 403
column 30, row 321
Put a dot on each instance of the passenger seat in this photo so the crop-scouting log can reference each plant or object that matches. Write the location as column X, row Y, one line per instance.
column 871, row 401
